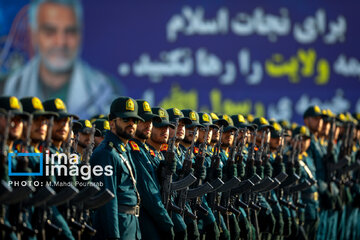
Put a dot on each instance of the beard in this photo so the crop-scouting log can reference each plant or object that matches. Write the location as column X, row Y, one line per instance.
column 122, row 132
column 141, row 135
column 81, row 144
column 59, row 60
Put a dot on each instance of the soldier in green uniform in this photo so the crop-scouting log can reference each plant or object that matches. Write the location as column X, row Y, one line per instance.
column 206, row 222
column 118, row 219
column 309, row 197
column 327, row 189
column 159, row 137
column 103, row 125
column 229, row 171
column 60, row 133
column 176, row 114
column 155, row 222
column 15, row 129
column 82, row 133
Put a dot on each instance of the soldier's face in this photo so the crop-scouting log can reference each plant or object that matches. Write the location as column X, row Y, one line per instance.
column 39, row 129
column 202, row 136
column 61, row 129
column 215, row 135
column 125, row 128
column 16, row 128
column 314, row 123
column 305, row 144
column 84, row 139
column 143, row 130
column 260, row 135
column 98, row 140
column 325, row 129
column 275, row 143
column 190, row 134
column 227, row 138
column 57, row 36
column 160, row 135
column 180, row 134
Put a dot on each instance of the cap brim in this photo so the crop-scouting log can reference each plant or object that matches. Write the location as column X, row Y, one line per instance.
column 194, row 125
column 221, row 122
column 45, row 114
column 267, row 126
column 185, row 120
column 87, row 130
column 23, row 115
column 210, row 125
column 64, row 114
column 163, row 124
column 150, row 116
column 129, row 115
column 229, row 128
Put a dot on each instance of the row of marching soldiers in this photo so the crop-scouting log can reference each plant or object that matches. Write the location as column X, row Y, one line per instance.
column 179, row 174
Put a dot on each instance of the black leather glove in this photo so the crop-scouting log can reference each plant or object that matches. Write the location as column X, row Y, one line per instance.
column 170, row 162
column 230, row 171
column 240, row 170
column 200, row 172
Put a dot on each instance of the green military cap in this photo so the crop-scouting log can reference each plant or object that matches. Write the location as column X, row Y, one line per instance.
column 294, row 125
column 218, row 121
column 193, row 116
column 58, row 106
column 276, row 131
column 145, row 111
column 250, row 118
column 98, row 116
column 124, row 107
column 285, row 124
column 102, row 124
column 313, row 111
column 357, row 117
column 303, row 131
column 162, row 113
column 33, row 105
column 340, row 119
column 240, row 122
column 262, row 123
column 175, row 113
column 206, row 120
column 230, row 122
column 84, row 126
column 12, row 104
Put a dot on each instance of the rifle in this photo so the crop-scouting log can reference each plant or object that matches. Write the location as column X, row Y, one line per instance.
column 168, row 185
column 199, row 163
column 186, row 169
column 4, row 151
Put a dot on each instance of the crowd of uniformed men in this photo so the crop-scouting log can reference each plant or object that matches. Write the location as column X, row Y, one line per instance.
column 178, row 174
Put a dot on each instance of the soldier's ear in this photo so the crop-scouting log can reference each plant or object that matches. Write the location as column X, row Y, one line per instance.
column 112, row 124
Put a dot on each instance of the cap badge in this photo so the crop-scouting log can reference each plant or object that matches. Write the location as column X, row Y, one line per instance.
column 130, row 105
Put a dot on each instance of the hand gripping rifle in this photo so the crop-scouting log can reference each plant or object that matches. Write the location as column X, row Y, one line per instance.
column 186, row 170
column 168, row 185
column 199, row 163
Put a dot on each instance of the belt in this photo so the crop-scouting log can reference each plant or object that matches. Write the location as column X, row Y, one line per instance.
column 132, row 210
column 310, row 196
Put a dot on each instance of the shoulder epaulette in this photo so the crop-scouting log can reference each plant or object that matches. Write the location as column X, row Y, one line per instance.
column 256, row 149
column 134, row 146
column 196, row 149
column 18, row 147
column 164, row 147
column 152, row 153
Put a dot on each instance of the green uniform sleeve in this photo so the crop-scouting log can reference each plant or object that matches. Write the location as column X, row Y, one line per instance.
column 107, row 216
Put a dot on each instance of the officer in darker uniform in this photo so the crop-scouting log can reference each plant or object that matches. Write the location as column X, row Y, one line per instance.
column 118, row 219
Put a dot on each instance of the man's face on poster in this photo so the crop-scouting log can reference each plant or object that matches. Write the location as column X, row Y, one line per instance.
column 57, row 36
